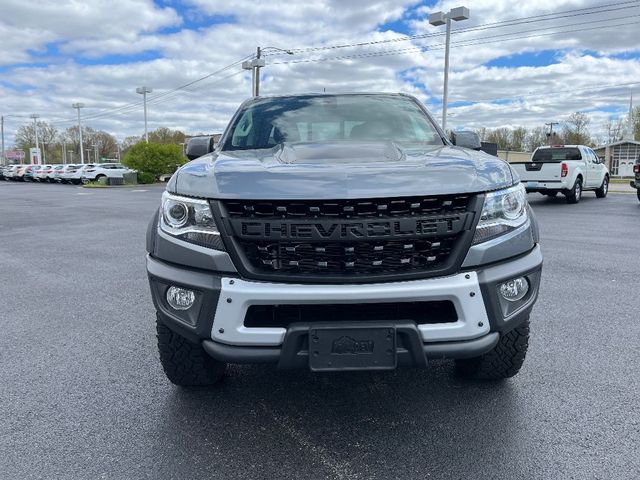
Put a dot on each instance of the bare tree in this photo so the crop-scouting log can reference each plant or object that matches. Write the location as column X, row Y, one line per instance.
column 536, row 138
column 166, row 135
column 576, row 129
column 614, row 130
column 25, row 139
column 500, row 136
column 519, row 139
column 636, row 122
column 106, row 144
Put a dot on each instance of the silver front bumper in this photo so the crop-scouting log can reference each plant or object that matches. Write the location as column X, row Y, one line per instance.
column 236, row 296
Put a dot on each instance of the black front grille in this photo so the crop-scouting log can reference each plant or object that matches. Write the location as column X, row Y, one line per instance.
column 370, row 257
column 359, row 239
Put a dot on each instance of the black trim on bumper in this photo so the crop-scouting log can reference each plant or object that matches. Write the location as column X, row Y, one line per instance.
column 295, row 354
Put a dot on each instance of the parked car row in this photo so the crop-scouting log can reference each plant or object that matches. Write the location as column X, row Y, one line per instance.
column 67, row 173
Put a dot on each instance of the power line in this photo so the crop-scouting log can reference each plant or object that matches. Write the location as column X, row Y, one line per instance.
column 459, row 43
column 152, row 100
column 486, row 26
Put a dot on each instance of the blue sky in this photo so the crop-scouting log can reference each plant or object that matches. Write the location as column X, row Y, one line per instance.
column 57, row 53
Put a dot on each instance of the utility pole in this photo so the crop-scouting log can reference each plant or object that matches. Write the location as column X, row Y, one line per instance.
column 64, row 152
column 35, row 129
column 441, row 18
column 550, row 134
column 144, row 91
column 256, row 64
column 78, row 106
column 95, row 151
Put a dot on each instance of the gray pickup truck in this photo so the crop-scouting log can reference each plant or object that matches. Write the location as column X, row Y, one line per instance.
column 341, row 232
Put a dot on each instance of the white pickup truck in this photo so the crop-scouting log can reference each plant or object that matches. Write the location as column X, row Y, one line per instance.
column 566, row 169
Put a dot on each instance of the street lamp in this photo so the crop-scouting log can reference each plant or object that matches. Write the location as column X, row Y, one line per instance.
column 78, row 106
column 441, row 18
column 143, row 91
column 35, row 117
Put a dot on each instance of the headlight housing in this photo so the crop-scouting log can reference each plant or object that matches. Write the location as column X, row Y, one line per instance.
column 503, row 211
column 189, row 219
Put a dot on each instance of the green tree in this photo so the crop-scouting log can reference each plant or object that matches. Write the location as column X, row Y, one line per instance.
column 155, row 158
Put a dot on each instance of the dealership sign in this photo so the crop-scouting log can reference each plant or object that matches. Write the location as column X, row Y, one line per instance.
column 15, row 155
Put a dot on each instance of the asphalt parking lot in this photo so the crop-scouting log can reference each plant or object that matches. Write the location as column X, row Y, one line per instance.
column 83, row 395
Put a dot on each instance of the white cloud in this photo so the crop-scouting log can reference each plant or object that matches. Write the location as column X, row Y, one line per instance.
column 94, row 30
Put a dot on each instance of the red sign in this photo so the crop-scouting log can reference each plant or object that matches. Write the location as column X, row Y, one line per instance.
column 14, row 155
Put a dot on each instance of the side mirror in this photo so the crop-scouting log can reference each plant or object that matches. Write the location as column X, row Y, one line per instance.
column 466, row 139
column 199, row 146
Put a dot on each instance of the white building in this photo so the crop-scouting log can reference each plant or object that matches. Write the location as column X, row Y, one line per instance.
column 620, row 156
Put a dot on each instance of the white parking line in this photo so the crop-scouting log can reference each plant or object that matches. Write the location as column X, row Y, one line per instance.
column 139, row 190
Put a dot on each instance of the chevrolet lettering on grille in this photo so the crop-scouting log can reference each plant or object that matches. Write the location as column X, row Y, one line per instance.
column 349, row 229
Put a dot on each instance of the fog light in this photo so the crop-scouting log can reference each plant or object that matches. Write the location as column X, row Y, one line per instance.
column 515, row 289
column 180, row 298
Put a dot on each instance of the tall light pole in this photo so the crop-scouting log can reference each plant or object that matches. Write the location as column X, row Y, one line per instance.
column 78, row 106
column 144, row 91
column 35, row 117
column 2, row 130
column 441, row 18
column 95, row 151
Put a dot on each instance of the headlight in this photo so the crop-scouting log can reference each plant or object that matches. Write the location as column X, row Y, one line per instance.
column 191, row 220
column 503, row 211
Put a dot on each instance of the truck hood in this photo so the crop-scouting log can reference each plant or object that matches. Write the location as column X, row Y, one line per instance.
column 341, row 170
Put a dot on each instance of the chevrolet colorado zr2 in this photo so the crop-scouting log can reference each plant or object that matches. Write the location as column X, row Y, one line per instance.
column 341, row 232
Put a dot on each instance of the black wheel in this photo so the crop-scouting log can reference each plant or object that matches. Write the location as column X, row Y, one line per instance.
column 604, row 188
column 185, row 363
column 504, row 361
column 575, row 194
column 638, row 193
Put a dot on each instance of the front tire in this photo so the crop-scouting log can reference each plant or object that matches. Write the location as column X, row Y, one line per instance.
column 504, row 361
column 638, row 193
column 575, row 194
column 186, row 364
column 604, row 188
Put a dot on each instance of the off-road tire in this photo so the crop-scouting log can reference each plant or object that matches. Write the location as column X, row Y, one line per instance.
column 504, row 361
column 575, row 194
column 604, row 188
column 185, row 363
column 638, row 193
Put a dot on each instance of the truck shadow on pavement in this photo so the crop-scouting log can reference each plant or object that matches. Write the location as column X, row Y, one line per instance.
column 397, row 424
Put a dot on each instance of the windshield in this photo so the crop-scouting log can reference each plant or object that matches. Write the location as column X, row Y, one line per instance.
column 556, row 154
column 327, row 118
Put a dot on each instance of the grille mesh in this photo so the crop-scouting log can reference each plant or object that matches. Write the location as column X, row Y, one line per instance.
column 319, row 258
